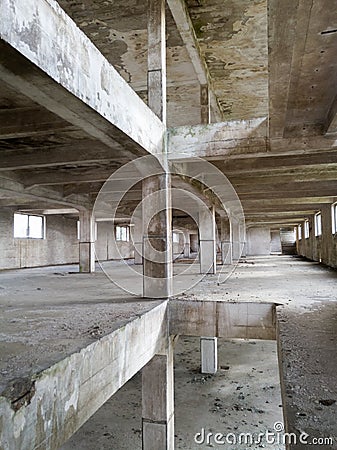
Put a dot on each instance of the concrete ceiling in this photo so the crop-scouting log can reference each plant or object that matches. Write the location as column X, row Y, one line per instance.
column 273, row 59
column 233, row 41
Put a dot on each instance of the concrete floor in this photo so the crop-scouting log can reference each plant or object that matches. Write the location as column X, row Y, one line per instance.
column 49, row 313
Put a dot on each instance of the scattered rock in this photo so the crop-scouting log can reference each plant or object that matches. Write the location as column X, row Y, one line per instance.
column 328, row 402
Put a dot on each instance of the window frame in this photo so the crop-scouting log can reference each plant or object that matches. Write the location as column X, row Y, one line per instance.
column 334, row 218
column 119, row 234
column 306, row 229
column 299, row 232
column 318, row 224
column 28, row 228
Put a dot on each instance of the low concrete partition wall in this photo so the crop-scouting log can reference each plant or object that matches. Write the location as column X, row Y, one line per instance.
column 222, row 319
column 60, row 399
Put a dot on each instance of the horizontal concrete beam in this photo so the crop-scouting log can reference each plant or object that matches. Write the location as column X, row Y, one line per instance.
column 64, row 396
column 222, row 319
column 287, row 201
column 219, row 139
column 246, row 140
column 318, row 173
column 279, row 194
column 70, row 77
column 76, row 153
column 59, row 177
column 185, row 27
column 15, row 192
column 21, row 122
column 273, row 163
column 282, row 16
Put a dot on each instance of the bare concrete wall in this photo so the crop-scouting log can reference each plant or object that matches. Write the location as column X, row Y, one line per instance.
column 258, row 241
column 323, row 248
column 59, row 247
column 275, row 243
column 106, row 247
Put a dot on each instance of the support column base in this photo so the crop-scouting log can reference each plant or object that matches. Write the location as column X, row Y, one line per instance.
column 87, row 257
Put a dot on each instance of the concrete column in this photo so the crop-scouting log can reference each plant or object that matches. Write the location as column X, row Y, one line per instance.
column 205, row 110
column 312, row 238
column 207, row 241
column 87, row 239
column 157, row 237
column 156, row 75
column 194, row 243
column 137, row 236
column 187, row 244
column 327, row 244
column 225, row 242
column 236, row 239
column 209, row 354
column 157, row 220
column 158, row 403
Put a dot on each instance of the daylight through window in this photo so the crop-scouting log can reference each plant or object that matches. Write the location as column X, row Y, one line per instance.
column 28, row 226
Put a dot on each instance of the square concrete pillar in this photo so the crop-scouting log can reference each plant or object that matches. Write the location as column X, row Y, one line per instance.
column 205, row 109
column 225, row 242
column 187, row 245
column 226, row 253
column 158, row 403
column 209, row 354
column 156, row 207
column 237, row 240
column 137, row 238
column 207, row 241
column 87, row 239
column 157, row 238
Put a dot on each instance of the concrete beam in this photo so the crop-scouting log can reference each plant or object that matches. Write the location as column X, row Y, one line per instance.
column 237, row 140
column 282, row 15
column 186, row 30
column 12, row 189
column 257, row 203
column 63, row 397
column 222, row 319
column 60, row 177
column 22, row 122
column 216, row 139
column 46, row 57
column 278, row 163
column 91, row 152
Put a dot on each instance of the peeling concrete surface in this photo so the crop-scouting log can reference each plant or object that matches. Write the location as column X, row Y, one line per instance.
column 233, row 40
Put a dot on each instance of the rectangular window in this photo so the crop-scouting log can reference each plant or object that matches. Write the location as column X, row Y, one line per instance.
column 122, row 233
column 299, row 231
column 175, row 237
column 306, row 229
column 318, row 224
column 334, row 218
column 27, row 226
